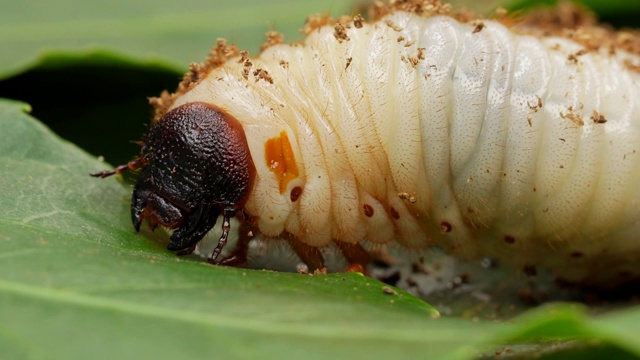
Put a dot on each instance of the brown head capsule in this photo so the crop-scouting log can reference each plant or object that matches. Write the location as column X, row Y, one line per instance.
column 196, row 166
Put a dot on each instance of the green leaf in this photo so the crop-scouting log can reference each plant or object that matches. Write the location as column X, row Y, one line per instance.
column 614, row 335
column 175, row 33
column 77, row 282
column 603, row 7
column 98, row 100
column 619, row 13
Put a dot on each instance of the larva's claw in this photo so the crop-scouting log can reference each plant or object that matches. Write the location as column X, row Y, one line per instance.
column 232, row 260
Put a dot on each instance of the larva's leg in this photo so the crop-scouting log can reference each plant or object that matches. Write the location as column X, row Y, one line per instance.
column 357, row 257
column 238, row 256
column 227, row 214
column 310, row 255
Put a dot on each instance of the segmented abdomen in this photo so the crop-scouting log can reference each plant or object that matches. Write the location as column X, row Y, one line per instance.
column 430, row 131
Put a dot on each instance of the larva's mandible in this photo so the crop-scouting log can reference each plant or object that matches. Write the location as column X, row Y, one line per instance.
column 411, row 128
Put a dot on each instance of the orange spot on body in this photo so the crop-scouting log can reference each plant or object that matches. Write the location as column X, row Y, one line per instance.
column 281, row 160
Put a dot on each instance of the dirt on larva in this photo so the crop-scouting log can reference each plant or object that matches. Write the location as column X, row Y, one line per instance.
column 218, row 55
column 340, row 32
column 567, row 20
column 571, row 115
column 273, row 38
column 575, row 23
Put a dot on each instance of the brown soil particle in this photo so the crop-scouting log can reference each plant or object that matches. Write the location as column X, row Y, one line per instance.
column 565, row 20
column 572, row 22
column 273, row 38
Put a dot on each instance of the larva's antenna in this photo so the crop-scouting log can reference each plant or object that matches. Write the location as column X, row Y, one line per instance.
column 131, row 165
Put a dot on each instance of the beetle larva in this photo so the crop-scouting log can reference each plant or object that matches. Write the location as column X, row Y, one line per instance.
column 418, row 128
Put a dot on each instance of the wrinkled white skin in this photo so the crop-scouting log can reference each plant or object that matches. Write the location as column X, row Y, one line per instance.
column 460, row 131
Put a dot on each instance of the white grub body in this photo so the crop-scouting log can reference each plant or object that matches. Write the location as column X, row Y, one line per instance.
column 425, row 130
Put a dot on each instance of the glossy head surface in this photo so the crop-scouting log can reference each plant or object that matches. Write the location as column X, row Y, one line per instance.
column 198, row 166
